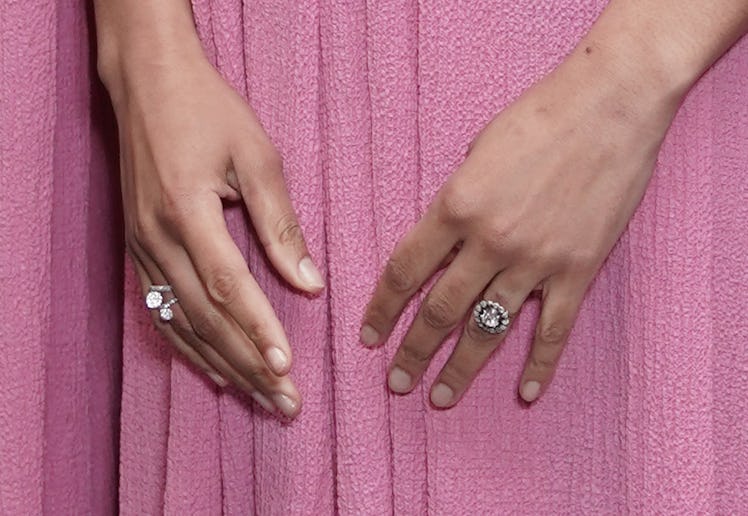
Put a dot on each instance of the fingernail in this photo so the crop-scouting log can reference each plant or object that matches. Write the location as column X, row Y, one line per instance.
column 286, row 404
column 530, row 391
column 277, row 359
column 369, row 335
column 399, row 380
column 263, row 401
column 309, row 273
column 442, row 395
column 217, row 379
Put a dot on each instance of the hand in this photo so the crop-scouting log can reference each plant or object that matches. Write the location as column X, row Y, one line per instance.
column 187, row 141
column 543, row 195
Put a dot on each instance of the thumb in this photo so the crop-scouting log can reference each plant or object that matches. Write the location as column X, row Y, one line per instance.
column 263, row 188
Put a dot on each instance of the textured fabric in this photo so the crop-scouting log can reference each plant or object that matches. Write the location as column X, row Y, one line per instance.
column 60, row 269
column 372, row 105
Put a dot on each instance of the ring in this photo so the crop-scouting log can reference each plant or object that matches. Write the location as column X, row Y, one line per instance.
column 154, row 300
column 491, row 317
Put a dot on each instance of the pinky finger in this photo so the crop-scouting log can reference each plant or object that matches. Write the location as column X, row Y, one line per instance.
column 561, row 301
column 182, row 346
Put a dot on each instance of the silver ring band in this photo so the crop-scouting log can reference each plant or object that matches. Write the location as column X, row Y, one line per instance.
column 154, row 300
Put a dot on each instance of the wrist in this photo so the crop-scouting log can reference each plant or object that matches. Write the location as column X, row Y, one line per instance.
column 141, row 44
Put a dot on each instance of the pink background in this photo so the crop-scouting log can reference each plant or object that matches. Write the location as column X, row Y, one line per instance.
column 372, row 106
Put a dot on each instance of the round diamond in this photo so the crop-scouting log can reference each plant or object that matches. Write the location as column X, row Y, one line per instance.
column 153, row 299
column 166, row 314
column 491, row 317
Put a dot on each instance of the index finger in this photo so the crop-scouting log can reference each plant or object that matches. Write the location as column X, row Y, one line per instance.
column 227, row 278
column 415, row 259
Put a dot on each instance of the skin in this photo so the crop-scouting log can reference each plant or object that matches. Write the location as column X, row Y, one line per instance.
column 189, row 141
column 545, row 192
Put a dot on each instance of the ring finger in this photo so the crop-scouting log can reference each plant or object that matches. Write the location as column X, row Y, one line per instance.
column 219, row 339
column 509, row 288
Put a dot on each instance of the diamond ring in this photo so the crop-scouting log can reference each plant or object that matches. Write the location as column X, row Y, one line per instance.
column 154, row 300
column 491, row 317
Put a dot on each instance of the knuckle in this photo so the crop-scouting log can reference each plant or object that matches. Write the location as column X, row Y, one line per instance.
column 258, row 331
column 498, row 239
column 439, row 312
column 541, row 363
column 289, row 230
column 223, row 286
column 454, row 206
column 551, row 333
column 257, row 375
column 175, row 209
column 414, row 354
column 142, row 233
column 397, row 275
column 205, row 324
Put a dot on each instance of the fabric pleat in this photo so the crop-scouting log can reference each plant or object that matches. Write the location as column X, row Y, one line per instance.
column 60, row 268
column 372, row 105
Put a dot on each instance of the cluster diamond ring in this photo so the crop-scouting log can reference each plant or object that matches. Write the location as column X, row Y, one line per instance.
column 155, row 300
column 491, row 317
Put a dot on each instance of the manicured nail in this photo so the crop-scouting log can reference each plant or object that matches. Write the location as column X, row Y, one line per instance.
column 286, row 404
column 217, row 379
column 441, row 395
column 277, row 359
column 399, row 380
column 309, row 273
column 369, row 335
column 263, row 401
column 530, row 391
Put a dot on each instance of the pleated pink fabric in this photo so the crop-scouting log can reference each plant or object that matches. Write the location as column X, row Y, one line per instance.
column 60, row 269
column 372, row 105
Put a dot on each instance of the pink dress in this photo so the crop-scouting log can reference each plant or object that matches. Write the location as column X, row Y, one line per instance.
column 372, row 105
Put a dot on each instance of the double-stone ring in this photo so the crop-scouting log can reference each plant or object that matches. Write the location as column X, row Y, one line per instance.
column 491, row 317
column 154, row 300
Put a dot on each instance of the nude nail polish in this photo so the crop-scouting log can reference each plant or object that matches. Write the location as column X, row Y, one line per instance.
column 369, row 336
column 441, row 395
column 285, row 404
column 530, row 391
column 277, row 359
column 310, row 274
column 399, row 381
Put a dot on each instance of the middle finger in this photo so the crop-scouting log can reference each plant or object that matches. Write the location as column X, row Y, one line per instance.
column 441, row 312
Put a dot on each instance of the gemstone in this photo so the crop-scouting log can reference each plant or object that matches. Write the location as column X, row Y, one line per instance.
column 153, row 299
column 491, row 317
column 166, row 314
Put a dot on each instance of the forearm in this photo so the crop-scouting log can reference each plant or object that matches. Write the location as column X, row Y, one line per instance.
column 131, row 34
column 661, row 47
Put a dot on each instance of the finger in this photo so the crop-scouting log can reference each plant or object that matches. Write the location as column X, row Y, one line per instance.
column 415, row 259
column 509, row 288
column 184, row 339
column 219, row 337
column 561, row 301
column 442, row 310
column 146, row 280
column 224, row 272
column 263, row 188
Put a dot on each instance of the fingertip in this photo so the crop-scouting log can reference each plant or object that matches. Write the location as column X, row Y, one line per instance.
column 278, row 361
column 310, row 275
column 369, row 336
column 530, row 391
